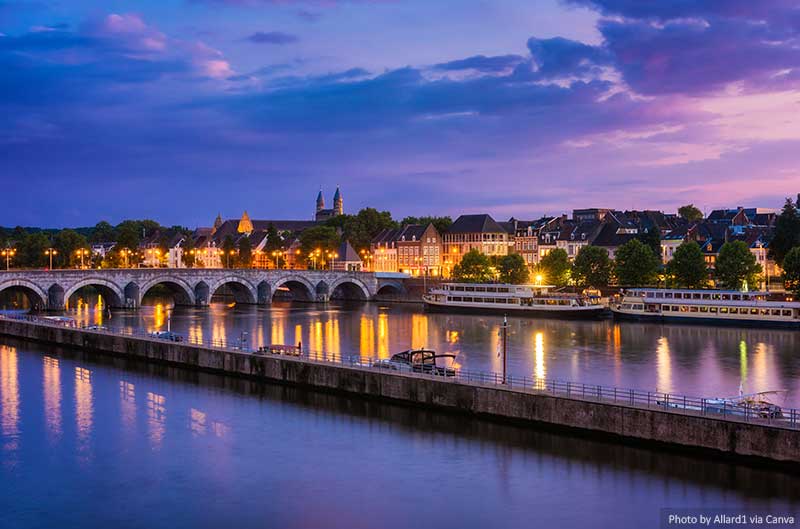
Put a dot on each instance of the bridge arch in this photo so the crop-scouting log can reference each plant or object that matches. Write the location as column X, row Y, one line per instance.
column 299, row 287
column 391, row 288
column 182, row 292
column 242, row 290
column 113, row 295
column 37, row 297
column 202, row 293
column 349, row 288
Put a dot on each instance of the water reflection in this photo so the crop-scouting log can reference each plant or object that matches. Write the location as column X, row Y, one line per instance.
column 9, row 403
column 127, row 404
column 84, row 411
column 696, row 360
column 51, row 382
column 156, row 418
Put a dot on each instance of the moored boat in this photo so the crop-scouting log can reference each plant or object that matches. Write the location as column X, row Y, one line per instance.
column 520, row 300
column 718, row 307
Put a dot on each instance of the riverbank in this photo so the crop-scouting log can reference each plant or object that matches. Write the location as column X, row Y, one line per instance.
column 651, row 424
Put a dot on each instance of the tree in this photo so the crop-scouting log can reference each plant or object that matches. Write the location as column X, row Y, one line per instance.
column 787, row 231
column 474, row 267
column 513, row 269
column 67, row 243
column 322, row 238
column 690, row 213
column 688, row 266
column 188, row 252
column 652, row 238
column 736, row 265
column 228, row 252
column 635, row 264
column 440, row 223
column 555, row 268
column 102, row 232
column 592, row 267
column 31, row 250
column 359, row 229
column 791, row 270
column 245, row 252
column 274, row 239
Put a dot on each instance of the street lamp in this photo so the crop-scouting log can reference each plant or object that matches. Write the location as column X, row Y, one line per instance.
column 51, row 252
column 8, row 253
column 126, row 252
column 82, row 252
column 228, row 257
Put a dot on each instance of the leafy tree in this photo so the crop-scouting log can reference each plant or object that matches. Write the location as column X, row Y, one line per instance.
column 652, row 238
column 245, row 252
column 635, row 264
column 791, row 270
column 592, row 267
column 359, row 229
column 513, row 269
column 274, row 239
column 555, row 267
column 690, row 213
column 442, row 224
column 735, row 265
column 67, row 243
column 188, row 252
column 688, row 266
column 323, row 238
column 475, row 267
column 102, row 232
column 30, row 250
column 229, row 252
column 787, row 231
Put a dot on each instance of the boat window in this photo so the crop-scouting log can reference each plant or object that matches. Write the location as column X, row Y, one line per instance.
column 776, row 312
column 696, row 296
column 726, row 296
column 703, row 309
column 706, row 296
column 723, row 310
column 668, row 295
column 753, row 311
column 480, row 289
column 456, row 298
column 712, row 310
column 787, row 312
column 467, row 300
column 659, row 294
column 736, row 297
column 693, row 309
column 491, row 289
column 684, row 308
column 764, row 312
column 734, row 310
column 469, row 289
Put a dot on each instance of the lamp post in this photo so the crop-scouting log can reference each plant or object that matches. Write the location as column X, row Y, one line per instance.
column 8, row 253
column 51, row 252
column 126, row 252
column 82, row 252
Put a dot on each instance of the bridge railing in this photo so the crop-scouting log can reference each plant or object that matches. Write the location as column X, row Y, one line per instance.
column 716, row 408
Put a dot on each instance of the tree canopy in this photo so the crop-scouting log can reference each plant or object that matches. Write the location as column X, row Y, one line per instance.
column 736, row 264
column 791, row 270
column 475, row 267
column 635, row 264
column 592, row 267
column 440, row 223
column 690, row 213
column 652, row 238
column 359, row 229
column 555, row 268
column 513, row 269
column 787, row 231
column 688, row 266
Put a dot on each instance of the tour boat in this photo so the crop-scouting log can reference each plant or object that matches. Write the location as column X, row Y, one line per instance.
column 520, row 300
column 419, row 361
column 721, row 307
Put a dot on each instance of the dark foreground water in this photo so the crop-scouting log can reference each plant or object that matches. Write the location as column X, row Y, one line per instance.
column 91, row 442
column 703, row 361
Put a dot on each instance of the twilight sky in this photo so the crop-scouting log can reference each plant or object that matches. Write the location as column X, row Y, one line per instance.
column 179, row 109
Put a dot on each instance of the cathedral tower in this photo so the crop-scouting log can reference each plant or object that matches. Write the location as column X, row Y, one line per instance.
column 338, row 203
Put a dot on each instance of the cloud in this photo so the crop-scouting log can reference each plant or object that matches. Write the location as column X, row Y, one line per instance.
column 682, row 9
column 560, row 57
column 482, row 63
column 272, row 37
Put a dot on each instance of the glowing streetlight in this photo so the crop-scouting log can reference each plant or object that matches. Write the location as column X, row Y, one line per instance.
column 82, row 252
column 51, row 252
column 8, row 253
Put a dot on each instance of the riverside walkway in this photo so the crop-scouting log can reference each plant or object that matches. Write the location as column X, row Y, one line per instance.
column 680, row 420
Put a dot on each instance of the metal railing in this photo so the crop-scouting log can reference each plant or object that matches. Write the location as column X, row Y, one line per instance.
column 720, row 409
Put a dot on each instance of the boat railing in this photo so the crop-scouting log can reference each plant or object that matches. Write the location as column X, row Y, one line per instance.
column 712, row 408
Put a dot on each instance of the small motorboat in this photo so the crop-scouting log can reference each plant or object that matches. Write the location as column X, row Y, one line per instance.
column 418, row 361
column 167, row 335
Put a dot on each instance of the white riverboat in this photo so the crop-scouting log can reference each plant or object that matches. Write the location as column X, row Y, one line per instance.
column 719, row 307
column 520, row 300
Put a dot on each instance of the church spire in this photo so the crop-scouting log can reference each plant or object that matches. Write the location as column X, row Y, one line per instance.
column 338, row 203
column 320, row 201
column 245, row 224
column 217, row 223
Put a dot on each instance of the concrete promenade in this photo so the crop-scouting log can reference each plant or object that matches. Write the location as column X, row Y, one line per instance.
column 655, row 423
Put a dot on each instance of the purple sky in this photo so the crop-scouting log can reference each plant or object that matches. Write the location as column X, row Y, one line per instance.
column 179, row 109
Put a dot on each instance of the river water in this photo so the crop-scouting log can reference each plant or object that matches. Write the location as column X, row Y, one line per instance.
column 93, row 442
column 703, row 361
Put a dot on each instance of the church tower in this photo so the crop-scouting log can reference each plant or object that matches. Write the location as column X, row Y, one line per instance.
column 217, row 224
column 245, row 224
column 320, row 201
column 338, row 203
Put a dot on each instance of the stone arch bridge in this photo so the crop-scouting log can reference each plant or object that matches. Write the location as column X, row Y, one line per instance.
column 52, row 289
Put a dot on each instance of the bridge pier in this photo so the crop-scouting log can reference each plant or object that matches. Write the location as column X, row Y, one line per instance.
column 55, row 297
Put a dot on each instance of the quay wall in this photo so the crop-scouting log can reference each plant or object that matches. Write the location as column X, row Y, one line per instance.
column 678, row 428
